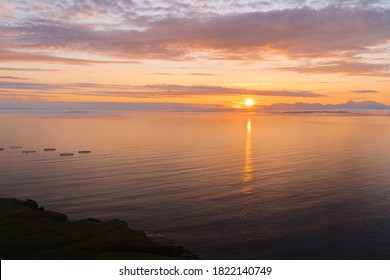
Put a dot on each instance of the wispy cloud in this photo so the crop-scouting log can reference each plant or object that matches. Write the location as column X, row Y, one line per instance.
column 12, row 78
column 9, row 56
column 28, row 86
column 203, row 74
column 212, row 90
column 11, row 102
column 353, row 68
column 184, row 74
column 363, row 91
column 28, row 69
column 151, row 91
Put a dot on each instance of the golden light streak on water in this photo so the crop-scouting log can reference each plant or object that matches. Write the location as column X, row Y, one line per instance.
column 248, row 163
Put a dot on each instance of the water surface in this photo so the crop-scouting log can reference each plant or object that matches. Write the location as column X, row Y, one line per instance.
column 226, row 186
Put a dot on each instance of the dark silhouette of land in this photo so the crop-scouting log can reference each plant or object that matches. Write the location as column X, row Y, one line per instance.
column 31, row 232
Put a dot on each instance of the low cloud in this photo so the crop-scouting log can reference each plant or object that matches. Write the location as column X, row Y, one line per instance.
column 12, row 78
column 178, row 90
column 183, row 74
column 11, row 103
column 10, row 56
column 151, row 91
column 28, row 86
column 203, row 74
column 363, row 91
column 28, row 69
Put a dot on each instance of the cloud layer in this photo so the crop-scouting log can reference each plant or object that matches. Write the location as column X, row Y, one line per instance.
column 326, row 37
column 363, row 91
column 146, row 91
column 301, row 32
column 295, row 31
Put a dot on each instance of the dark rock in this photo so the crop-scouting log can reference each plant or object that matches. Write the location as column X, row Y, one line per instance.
column 32, row 203
column 59, row 218
column 93, row 220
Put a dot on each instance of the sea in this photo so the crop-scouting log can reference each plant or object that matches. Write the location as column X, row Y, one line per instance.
column 223, row 185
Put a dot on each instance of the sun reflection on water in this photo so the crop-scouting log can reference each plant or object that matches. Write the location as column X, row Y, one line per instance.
column 248, row 163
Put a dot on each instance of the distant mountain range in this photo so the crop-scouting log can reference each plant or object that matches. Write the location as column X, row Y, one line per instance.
column 348, row 106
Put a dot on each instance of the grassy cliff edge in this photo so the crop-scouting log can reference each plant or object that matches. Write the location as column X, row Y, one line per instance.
column 31, row 232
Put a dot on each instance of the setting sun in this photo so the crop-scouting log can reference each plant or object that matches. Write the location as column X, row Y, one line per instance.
column 249, row 102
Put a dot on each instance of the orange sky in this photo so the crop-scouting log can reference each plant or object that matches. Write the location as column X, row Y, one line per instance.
column 195, row 52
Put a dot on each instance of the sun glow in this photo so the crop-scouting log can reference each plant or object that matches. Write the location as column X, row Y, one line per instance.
column 249, row 102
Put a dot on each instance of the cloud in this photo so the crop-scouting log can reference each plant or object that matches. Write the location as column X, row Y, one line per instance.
column 127, row 9
column 355, row 68
column 12, row 78
column 184, row 74
column 150, row 91
column 296, row 33
column 203, row 74
column 335, row 36
column 172, row 90
column 28, row 86
column 364, row 91
column 28, row 69
column 8, row 56
column 12, row 103
column 6, row 10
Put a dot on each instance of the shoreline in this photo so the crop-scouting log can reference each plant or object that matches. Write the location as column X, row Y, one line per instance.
column 31, row 232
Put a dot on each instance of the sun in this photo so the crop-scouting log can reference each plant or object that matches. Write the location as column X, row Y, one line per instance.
column 249, row 102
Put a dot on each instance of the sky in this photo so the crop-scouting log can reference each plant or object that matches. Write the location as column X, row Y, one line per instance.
column 195, row 53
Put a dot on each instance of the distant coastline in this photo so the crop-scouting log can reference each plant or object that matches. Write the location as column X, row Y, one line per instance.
column 349, row 107
column 31, row 232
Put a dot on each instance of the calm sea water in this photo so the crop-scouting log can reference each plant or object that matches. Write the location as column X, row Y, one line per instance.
column 225, row 186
